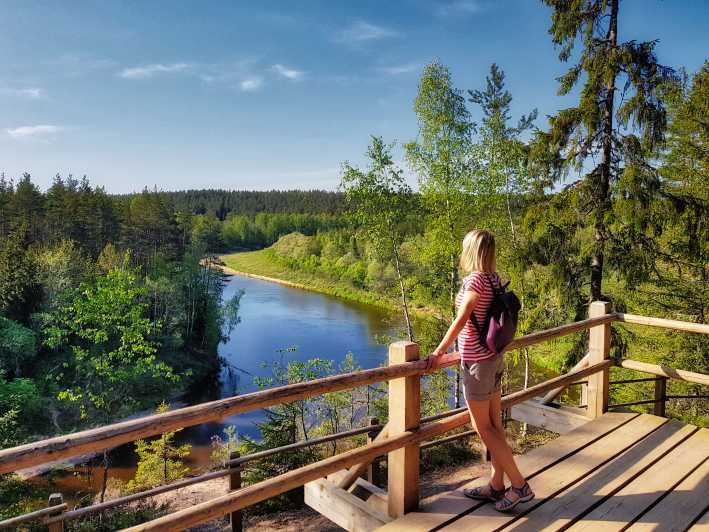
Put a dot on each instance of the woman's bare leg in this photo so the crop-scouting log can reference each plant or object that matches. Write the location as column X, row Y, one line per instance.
column 497, row 479
column 495, row 441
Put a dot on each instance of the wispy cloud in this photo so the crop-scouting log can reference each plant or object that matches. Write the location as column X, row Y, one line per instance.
column 458, row 8
column 361, row 32
column 31, row 93
column 149, row 71
column 251, row 84
column 33, row 132
column 395, row 70
column 287, row 73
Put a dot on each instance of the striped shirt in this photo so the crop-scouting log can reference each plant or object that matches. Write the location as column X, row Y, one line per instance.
column 468, row 340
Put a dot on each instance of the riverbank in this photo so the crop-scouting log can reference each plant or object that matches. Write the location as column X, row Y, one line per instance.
column 259, row 265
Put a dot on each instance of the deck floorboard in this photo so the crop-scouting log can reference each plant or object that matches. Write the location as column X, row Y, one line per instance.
column 621, row 471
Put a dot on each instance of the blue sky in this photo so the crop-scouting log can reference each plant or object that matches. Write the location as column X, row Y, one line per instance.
column 258, row 95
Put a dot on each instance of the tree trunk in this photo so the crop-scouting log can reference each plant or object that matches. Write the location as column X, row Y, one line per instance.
column 404, row 304
column 601, row 198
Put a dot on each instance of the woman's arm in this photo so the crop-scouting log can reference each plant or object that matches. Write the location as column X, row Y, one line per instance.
column 470, row 299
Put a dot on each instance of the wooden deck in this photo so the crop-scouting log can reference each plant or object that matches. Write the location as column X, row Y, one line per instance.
column 622, row 471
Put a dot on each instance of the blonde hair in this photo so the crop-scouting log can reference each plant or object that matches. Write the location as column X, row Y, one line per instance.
column 478, row 252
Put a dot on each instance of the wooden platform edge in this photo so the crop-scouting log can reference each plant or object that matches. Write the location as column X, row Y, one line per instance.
column 342, row 507
column 556, row 419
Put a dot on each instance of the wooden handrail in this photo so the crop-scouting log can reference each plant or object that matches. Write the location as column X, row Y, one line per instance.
column 664, row 371
column 266, row 489
column 101, row 438
column 664, row 323
column 98, row 439
column 14, row 521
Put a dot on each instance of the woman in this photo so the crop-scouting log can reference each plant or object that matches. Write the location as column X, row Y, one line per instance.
column 482, row 371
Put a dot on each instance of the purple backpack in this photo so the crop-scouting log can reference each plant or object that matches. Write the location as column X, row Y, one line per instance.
column 500, row 324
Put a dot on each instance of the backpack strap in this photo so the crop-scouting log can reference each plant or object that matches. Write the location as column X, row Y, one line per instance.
column 473, row 318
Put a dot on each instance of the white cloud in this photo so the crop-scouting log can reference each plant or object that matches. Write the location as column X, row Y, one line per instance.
column 29, row 132
column 395, row 70
column 288, row 73
column 361, row 32
column 31, row 93
column 251, row 84
column 148, row 71
column 458, row 8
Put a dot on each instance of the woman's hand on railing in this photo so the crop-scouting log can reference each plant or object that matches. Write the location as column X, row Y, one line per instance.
column 433, row 361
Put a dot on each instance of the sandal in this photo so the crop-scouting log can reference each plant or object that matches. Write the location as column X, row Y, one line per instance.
column 484, row 493
column 524, row 494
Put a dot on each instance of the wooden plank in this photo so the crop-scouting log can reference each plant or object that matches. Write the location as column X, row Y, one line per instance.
column 676, row 325
column 703, row 524
column 563, row 474
column 665, row 371
column 342, row 507
column 680, row 507
column 631, row 501
column 441, row 508
column 24, row 518
column 349, row 478
column 559, row 420
column 373, row 495
column 567, row 506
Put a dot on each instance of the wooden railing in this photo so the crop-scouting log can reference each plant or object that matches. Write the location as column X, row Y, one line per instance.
column 401, row 438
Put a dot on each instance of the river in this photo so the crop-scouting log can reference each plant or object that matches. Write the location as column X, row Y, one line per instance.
column 278, row 324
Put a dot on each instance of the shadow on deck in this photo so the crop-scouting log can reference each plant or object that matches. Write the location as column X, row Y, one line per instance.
column 622, row 471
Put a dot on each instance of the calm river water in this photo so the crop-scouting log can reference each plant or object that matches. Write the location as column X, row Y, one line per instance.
column 279, row 324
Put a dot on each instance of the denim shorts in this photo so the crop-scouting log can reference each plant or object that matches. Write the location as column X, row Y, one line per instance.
column 482, row 379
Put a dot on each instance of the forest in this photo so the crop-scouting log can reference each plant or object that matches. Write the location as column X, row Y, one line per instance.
column 108, row 306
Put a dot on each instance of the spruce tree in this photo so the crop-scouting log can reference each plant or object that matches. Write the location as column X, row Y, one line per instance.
column 612, row 131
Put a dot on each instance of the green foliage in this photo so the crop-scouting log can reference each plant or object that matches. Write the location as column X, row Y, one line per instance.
column 160, row 460
column 113, row 364
column 381, row 203
column 20, row 402
column 150, row 228
column 440, row 158
column 617, row 138
column 18, row 344
column 206, row 232
column 19, row 289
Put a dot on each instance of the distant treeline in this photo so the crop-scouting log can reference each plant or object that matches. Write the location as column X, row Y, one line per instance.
column 221, row 203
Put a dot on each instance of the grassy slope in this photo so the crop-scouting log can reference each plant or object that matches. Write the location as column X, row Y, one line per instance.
column 259, row 263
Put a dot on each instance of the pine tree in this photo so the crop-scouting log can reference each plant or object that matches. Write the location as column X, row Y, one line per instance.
column 618, row 121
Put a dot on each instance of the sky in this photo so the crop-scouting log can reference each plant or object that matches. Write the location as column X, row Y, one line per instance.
column 265, row 95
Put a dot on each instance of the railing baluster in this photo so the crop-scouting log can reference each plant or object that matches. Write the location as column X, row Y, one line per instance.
column 404, row 415
column 599, row 341
column 660, row 396
column 235, row 518
column 55, row 499
column 373, row 469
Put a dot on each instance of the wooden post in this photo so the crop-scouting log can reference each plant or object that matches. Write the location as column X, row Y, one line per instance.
column 599, row 342
column 660, row 393
column 373, row 470
column 55, row 499
column 404, row 415
column 235, row 518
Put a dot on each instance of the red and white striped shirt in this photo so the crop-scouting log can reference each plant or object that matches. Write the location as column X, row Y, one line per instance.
column 468, row 340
